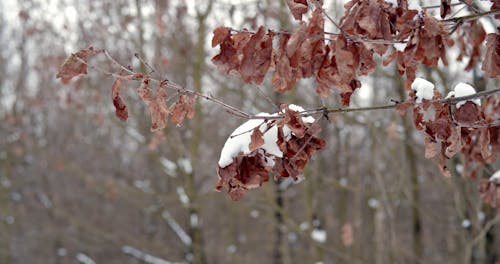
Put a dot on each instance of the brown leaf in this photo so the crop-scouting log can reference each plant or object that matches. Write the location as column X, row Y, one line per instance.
column 120, row 107
column 455, row 142
column 297, row 7
column 183, row 107
column 491, row 63
column 159, row 110
column 220, row 34
column 468, row 114
column 490, row 192
column 76, row 64
column 402, row 107
column 256, row 57
column 246, row 172
column 144, row 92
column 431, row 148
column 294, row 122
column 257, row 139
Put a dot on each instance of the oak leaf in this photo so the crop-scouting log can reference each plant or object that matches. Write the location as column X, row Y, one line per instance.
column 297, row 7
column 491, row 63
column 183, row 107
column 76, row 64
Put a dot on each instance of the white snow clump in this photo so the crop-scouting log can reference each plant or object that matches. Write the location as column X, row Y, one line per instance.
column 241, row 137
column 463, row 89
column 424, row 89
column 495, row 177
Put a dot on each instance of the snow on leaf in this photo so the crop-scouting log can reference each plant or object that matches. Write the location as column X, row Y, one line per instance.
column 246, row 161
column 489, row 191
column 495, row 177
column 120, row 107
column 183, row 107
column 297, row 7
column 491, row 63
column 463, row 89
column 424, row 89
column 76, row 64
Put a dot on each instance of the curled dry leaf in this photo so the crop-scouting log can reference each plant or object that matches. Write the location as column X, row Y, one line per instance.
column 471, row 35
column 76, row 64
column 491, row 63
column 183, row 107
column 490, row 192
column 246, row 172
column 431, row 148
column 120, row 107
column 297, row 8
column 159, row 110
column 256, row 57
column 257, row 139
column 220, row 34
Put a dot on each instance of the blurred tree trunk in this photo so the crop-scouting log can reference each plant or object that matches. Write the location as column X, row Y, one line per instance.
column 414, row 185
column 194, row 230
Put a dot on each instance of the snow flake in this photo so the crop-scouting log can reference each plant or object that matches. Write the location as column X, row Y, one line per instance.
column 318, row 235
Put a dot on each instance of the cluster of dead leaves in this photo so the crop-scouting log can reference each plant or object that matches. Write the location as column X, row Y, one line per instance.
column 251, row 170
column 156, row 101
column 335, row 61
column 450, row 130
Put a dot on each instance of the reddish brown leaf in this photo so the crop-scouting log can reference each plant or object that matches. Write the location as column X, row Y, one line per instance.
column 431, row 148
column 256, row 57
column 159, row 110
column 76, row 64
column 455, row 143
column 468, row 114
column 297, row 7
column 294, row 122
column 220, row 34
column 120, row 107
column 490, row 192
column 402, row 107
column 246, row 172
column 183, row 107
column 144, row 92
column 491, row 63
column 257, row 139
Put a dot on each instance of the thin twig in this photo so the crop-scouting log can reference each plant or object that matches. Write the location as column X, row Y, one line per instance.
column 167, row 84
column 438, row 6
column 268, row 99
column 471, row 17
